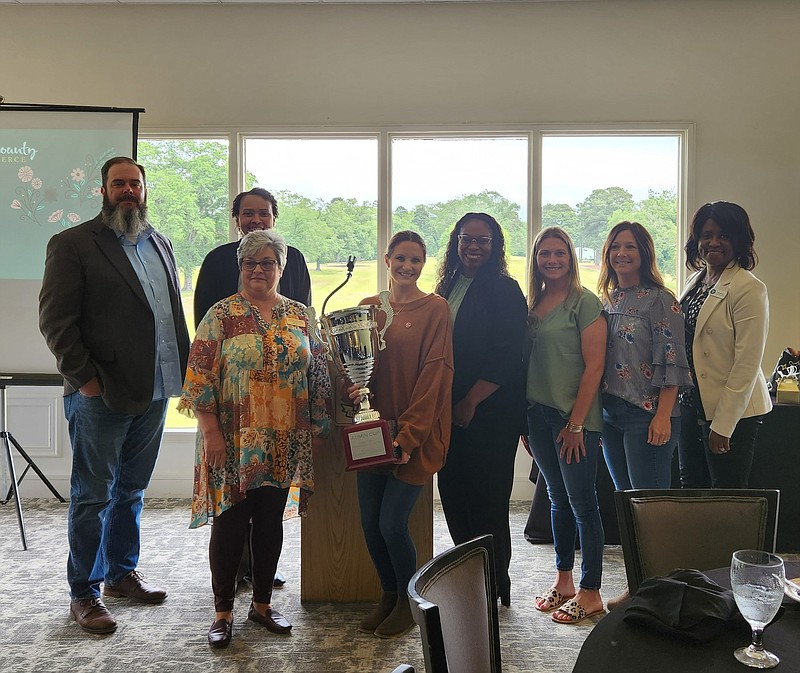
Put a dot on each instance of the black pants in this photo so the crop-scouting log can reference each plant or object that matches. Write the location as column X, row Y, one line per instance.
column 264, row 506
column 475, row 485
column 700, row 468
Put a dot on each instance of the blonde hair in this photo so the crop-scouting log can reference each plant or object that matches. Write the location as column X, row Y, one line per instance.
column 536, row 287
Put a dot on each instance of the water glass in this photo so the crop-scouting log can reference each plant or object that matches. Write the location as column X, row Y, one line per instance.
column 757, row 583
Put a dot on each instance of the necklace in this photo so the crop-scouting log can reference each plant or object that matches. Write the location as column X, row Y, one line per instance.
column 403, row 306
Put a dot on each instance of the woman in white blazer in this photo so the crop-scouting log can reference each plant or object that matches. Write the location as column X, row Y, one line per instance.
column 727, row 320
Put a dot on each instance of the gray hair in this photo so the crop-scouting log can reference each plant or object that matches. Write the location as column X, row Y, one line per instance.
column 258, row 240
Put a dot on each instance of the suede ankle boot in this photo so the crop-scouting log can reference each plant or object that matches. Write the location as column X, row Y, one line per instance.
column 399, row 622
column 380, row 612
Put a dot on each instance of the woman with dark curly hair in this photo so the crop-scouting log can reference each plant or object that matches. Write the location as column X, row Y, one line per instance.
column 488, row 311
column 727, row 320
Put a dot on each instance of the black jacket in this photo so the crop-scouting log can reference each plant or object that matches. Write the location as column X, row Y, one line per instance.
column 488, row 338
column 219, row 278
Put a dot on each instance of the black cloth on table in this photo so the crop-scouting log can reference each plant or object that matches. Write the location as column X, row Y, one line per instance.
column 615, row 645
column 685, row 604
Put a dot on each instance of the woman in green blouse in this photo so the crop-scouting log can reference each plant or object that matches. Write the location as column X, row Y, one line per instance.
column 567, row 338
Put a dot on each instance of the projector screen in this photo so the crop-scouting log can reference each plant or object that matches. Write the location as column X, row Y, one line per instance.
column 50, row 161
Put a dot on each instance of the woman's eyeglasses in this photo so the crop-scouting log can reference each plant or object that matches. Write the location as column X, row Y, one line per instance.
column 482, row 241
column 265, row 264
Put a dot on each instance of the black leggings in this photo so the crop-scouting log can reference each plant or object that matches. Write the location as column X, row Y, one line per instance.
column 264, row 506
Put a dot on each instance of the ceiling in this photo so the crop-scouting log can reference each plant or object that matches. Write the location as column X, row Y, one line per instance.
column 252, row 2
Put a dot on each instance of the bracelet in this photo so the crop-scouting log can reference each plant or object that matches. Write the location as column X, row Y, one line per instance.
column 574, row 427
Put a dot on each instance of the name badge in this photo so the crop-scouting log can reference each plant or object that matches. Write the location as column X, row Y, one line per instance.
column 295, row 322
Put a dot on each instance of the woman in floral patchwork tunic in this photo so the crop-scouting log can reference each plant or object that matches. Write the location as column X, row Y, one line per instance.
column 645, row 362
column 258, row 387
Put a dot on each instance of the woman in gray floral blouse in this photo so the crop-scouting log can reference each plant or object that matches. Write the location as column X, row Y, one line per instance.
column 645, row 363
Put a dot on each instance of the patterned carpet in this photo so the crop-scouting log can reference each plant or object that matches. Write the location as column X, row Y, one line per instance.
column 39, row 637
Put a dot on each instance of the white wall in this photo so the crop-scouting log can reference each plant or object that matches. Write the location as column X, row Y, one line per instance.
column 729, row 66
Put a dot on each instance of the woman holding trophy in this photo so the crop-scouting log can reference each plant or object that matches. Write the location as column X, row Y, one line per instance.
column 412, row 383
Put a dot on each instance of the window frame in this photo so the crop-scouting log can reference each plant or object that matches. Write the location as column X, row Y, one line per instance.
column 534, row 132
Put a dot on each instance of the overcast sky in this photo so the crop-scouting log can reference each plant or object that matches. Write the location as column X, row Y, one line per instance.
column 427, row 171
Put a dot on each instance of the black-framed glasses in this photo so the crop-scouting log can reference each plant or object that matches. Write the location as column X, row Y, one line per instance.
column 466, row 239
column 265, row 264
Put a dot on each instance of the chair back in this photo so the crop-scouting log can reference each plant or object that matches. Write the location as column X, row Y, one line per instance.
column 665, row 529
column 454, row 602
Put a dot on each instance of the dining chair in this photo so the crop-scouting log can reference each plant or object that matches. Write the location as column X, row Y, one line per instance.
column 665, row 529
column 454, row 602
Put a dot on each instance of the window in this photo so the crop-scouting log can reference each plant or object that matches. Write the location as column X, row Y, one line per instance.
column 327, row 192
column 187, row 200
column 592, row 182
column 344, row 193
column 436, row 180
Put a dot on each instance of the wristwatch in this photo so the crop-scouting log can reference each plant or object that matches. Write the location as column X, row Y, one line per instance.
column 573, row 427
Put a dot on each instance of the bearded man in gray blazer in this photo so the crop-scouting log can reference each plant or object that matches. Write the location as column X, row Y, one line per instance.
column 110, row 310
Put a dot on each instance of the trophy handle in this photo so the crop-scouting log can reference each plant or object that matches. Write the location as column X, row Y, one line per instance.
column 314, row 333
column 386, row 307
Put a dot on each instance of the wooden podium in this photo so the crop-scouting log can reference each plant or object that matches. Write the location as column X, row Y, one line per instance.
column 335, row 564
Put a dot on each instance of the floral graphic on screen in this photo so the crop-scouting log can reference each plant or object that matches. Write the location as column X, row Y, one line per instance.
column 79, row 190
column 29, row 194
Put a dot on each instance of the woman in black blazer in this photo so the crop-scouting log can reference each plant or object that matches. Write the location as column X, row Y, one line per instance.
column 489, row 313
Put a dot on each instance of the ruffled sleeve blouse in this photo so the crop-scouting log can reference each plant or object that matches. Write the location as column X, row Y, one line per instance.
column 646, row 346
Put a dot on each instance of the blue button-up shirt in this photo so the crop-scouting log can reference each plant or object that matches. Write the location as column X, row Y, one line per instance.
column 152, row 275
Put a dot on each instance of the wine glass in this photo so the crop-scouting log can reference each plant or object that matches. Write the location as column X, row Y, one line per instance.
column 757, row 583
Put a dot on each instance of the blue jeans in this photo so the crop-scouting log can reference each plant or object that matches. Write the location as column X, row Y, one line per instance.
column 572, row 492
column 632, row 462
column 113, row 457
column 386, row 503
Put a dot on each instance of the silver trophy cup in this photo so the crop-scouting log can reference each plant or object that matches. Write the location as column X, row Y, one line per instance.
column 353, row 340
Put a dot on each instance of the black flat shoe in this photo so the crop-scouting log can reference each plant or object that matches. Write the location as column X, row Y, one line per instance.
column 274, row 621
column 219, row 635
column 279, row 580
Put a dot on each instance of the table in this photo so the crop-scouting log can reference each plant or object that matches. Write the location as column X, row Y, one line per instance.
column 616, row 646
column 776, row 465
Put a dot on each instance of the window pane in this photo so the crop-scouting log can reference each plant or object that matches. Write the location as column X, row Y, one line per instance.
column 590, row 183
column 327, row 192
column 187, row 199
column 437, row 180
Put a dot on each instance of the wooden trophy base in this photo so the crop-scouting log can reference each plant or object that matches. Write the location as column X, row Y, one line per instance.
column 368, row 445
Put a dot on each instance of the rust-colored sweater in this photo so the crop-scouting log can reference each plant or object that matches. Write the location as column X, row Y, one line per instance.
column 413, row 380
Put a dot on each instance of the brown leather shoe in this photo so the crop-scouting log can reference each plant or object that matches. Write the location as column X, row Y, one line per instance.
column 92, row 616
column 274, row 620
column 219, row 635
column 133, row 586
